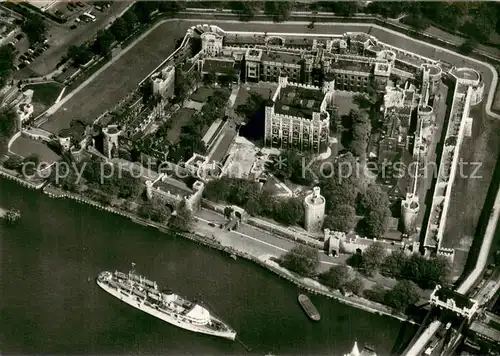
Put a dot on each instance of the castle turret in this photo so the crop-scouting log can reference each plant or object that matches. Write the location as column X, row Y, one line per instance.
column 409, row 211
column 314, row 206
column 110, row 140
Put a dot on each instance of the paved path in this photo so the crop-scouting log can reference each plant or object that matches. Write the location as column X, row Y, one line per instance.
column 249, row 238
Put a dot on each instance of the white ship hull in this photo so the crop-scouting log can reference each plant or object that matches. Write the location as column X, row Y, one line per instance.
column 172, row 319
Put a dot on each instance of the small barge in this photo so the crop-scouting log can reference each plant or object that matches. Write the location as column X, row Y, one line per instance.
column 309, row 307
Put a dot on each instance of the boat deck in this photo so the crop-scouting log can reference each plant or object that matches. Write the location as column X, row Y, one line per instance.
column 309, row 307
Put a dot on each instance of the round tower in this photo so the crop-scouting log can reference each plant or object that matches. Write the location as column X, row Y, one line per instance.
column 110, row 140
column 314, row 207
column 409, row 212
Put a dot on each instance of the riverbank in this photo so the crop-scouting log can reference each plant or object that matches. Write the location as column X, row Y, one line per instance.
column 10, row 176
column 265, row 261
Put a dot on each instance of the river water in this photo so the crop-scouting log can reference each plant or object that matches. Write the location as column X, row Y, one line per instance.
column 50, row 303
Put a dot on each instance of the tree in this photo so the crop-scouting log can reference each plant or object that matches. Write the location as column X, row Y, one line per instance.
column 355, row 285
column 120, row 29
column 245, row 10
column 103, row 42
column 376, row 294
column 155, row 210
column 468, row 46
column 34, row 28
column 29, row 165
column 395, row 263
column 183, row 219
column 373, row 258
column 80, row 55
column 359, row 133
column 336, row 277
column 209, row 78
column 13, row 163
column 228, row 211
column 6, row 63
column 130, row 19
column 404, row 294
column 8, row 118
column 278, row 10
column 341, row 218
column 301, row 259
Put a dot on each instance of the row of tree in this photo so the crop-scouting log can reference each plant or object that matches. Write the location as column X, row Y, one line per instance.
column 304, row 261
column 6, row 64
column 248, row 195
column 8, row 119
column 426, row 272
column 156, row 210
column 139, row 14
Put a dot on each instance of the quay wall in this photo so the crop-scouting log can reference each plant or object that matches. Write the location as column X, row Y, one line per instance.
column 23, row 182
column 353, row 301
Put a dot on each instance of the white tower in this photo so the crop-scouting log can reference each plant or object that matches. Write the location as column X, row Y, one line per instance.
column 314, row 206
column 110, row 141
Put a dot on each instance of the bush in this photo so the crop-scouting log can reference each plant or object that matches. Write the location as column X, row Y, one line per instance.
column 302, row 260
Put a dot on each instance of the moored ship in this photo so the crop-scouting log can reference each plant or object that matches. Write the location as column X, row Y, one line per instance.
column 309, row 307
column 143, row 294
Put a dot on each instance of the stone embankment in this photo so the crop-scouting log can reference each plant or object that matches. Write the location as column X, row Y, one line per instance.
column 8, row 175
column 309, row 285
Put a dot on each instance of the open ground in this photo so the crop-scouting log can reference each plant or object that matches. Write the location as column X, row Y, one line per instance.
column 24, row 147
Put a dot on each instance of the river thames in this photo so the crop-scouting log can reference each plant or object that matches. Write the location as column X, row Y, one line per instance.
column 51, row 304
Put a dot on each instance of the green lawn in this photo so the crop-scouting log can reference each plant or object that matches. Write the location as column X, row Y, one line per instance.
column 45, row 93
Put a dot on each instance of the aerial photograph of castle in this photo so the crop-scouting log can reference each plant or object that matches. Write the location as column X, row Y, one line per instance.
column 262, row 178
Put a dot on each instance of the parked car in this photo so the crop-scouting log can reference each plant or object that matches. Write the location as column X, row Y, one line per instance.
column 80, row 4
column 72, row 27
column 26, row 62
column 69, row 7
column 21, row 65
column 19, row 36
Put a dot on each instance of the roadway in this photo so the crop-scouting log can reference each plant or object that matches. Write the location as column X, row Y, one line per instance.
column 253, row 240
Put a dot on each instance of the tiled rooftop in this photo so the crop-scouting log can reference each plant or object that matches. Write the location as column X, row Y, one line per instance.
column 173, row 186
column 299, row 102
